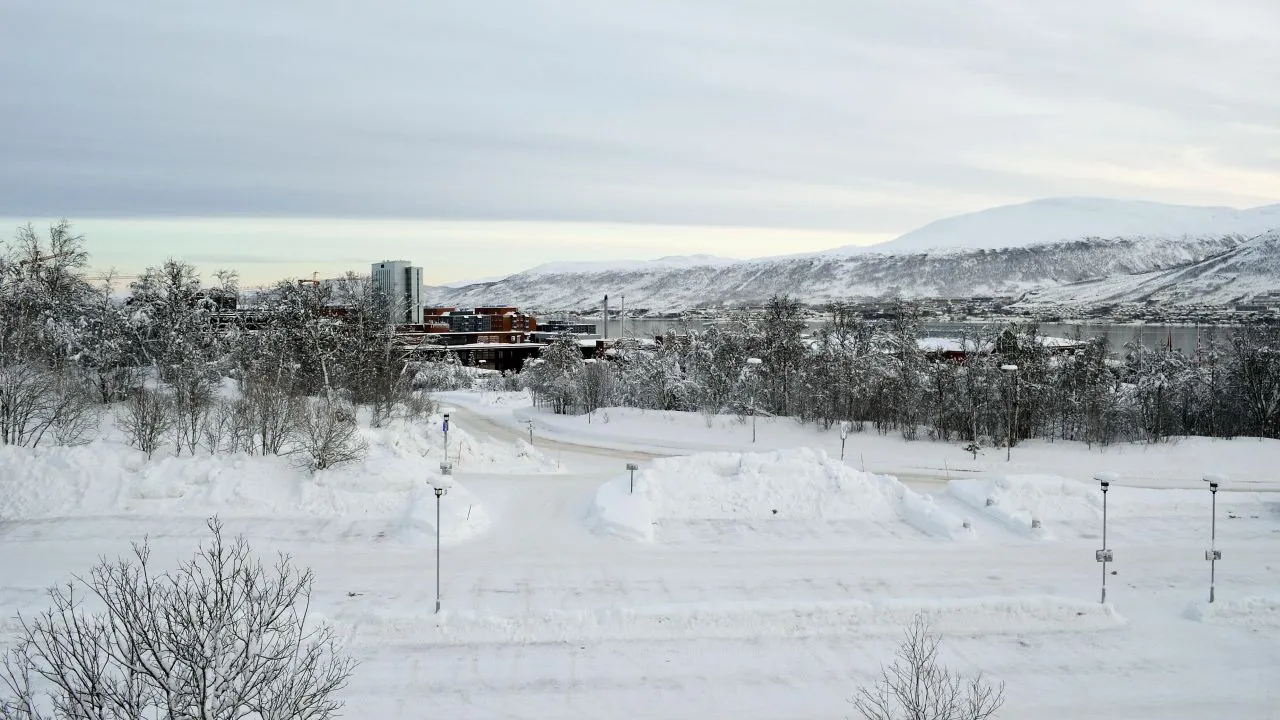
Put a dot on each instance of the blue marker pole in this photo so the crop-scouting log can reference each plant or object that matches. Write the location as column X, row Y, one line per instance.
column 446, row 437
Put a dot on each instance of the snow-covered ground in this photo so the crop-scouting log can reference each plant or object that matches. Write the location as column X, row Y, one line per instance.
column 1182, row 462
column 724, row 608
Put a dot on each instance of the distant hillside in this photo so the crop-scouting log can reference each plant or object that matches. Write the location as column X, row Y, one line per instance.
column 1238, row 275
column 1009, row 271
column 1097, row 247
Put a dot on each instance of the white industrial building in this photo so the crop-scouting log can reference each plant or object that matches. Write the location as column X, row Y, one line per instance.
column 402, row 283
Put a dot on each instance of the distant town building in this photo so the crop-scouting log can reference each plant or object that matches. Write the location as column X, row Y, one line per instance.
column 402, row 284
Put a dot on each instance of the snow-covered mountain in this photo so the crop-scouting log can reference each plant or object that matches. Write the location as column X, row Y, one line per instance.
column 1008, row 271
column 1239, row 275
column 1003, row 251
column 673, row 262
column 1057, row 219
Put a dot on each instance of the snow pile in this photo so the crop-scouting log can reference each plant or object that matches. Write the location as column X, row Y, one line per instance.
column 786, row 485
column 1249, row 611
column 426, row 439
column 1017, row 500
column 110, row 479
column 1020, row 500
column 617, row 511
column 745, row 620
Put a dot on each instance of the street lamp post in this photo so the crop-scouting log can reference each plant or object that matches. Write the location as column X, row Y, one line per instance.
column 441, row 487
column 632, row 467
column 1213, row 554
column 753, row 362
column 1012, row 371
column 1104, row 555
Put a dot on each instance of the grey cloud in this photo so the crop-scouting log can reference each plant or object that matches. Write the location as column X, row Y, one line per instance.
column 819, row 113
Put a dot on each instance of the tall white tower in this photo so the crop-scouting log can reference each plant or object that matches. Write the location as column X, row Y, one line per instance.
column 402, row 283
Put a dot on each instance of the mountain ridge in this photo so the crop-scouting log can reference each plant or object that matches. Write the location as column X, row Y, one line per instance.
column 1161, row 238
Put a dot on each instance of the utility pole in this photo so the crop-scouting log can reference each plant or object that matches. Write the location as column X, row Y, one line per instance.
column 1213, row 554
column 442, row 487
column 1104, row 555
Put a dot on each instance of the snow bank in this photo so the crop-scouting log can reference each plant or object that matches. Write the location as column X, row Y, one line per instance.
column 466, row 452
column 388, row 489
column 616, row 511
column 1019, row 500
column 801, row 484
column 742, row 620
column 1248, row 611
column 1016, row 500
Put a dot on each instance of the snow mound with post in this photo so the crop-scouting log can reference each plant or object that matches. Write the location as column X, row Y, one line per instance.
column 466, row 452
column 1018, row 500
column 1248, row 611
column 786, row 485
column 388, row 493
column 1022, row 502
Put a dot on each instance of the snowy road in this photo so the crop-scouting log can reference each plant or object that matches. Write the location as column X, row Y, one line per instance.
column 757, row 621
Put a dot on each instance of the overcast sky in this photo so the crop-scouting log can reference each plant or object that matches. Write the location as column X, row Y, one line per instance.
column 846, row 121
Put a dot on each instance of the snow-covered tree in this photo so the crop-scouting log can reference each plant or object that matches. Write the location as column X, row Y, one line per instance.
column 555, row 376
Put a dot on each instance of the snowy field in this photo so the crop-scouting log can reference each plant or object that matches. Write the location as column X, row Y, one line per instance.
column 741, row 580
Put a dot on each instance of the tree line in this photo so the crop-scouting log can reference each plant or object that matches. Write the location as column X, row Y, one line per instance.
column 178, row 371
column 876, row 375
column 163, row 356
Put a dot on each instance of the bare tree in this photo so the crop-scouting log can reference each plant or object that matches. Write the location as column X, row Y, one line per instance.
column 270, row 410
column 192, row 398
column 145, row 419
column 218, row 427
column 916, row 686
column 38, row 401
column 329, row 435
column 77, row 416
column 220, row 637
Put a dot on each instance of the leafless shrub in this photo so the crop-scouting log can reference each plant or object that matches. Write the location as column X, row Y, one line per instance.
column 192, row 399
column 216, row 430
column 917, row 687
column 505, row 381
column 381, row 411
column 145, row 419
column 37, row 401
column 269, row 412
column 77, row 416
column 329, row 435
column 419, row 404
column 114, row 383
column 240, row 428
column 220, row 637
